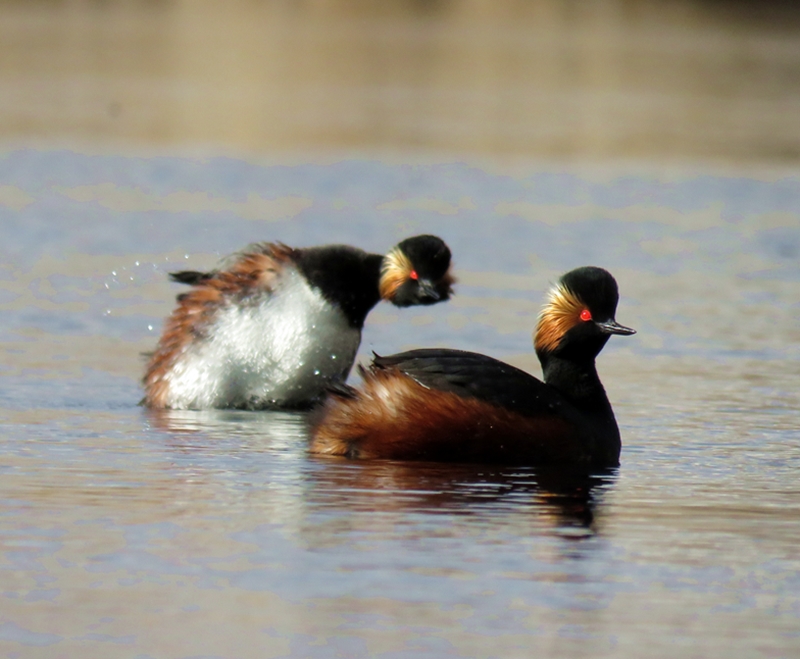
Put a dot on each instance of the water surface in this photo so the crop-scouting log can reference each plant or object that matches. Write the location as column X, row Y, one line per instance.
column 135, row 533
column 658, row 140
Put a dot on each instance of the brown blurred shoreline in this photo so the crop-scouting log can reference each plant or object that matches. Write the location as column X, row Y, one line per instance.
column 684, row 80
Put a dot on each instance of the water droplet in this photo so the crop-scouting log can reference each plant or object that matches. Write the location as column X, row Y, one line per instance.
column 150, row 327
column 186, row 256
column 114, row 272
column 316, row 371
column 106, row 285
column 333, row 356
column 137, row 263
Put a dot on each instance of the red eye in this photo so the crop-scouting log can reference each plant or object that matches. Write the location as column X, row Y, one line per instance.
column 413, row 275
column 586, row 314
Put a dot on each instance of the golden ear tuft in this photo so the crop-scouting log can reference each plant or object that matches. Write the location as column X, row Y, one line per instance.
column 395, row 270
column 559, row 315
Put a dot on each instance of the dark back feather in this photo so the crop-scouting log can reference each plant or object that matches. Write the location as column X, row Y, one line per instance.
column 478, row 376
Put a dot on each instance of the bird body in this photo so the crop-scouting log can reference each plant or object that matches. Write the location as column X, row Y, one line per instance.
column 451, row 405
column 262, row 354
column 279, row 325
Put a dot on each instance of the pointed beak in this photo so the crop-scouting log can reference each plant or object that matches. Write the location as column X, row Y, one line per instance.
column 611, row 326
column 427, row 291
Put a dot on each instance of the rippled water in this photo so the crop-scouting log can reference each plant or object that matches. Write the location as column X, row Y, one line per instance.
column 133, row 533
column 534, row 137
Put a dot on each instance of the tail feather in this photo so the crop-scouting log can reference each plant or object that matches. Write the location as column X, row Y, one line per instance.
column 190, row 277
column 342, row 390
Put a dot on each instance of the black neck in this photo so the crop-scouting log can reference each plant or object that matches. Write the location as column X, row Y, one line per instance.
column 578, row 382
column 346, row 276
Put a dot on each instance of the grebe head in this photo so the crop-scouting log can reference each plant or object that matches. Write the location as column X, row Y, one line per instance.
column 417, row 271
column 578, row 317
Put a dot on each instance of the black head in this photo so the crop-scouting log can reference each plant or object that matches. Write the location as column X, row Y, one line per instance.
column 417, row 271
column 578, row 317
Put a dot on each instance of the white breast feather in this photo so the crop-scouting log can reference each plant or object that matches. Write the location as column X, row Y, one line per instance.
column 281, row 349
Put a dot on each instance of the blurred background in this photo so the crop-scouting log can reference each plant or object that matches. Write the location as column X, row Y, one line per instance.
column 657, row 138
column 655, row 80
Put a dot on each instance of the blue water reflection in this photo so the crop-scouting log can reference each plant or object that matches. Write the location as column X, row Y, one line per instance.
column 114, row 519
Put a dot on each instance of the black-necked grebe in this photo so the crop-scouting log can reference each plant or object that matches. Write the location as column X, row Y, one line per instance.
column 277, row 325
column 450, row 405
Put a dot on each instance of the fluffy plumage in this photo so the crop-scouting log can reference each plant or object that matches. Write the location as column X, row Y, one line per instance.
column 276, row 325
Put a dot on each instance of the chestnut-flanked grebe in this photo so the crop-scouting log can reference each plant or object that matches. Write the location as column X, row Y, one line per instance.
column 451, row 405
column 276, row 326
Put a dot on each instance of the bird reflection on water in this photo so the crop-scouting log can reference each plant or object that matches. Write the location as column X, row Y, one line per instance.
column 559, row 502
column 267, row 430
column 555, row 501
